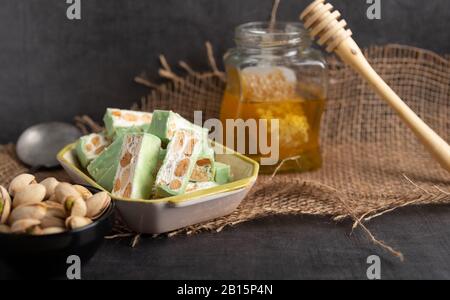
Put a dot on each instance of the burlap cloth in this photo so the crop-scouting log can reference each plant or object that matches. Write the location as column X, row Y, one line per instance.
column 372, row 162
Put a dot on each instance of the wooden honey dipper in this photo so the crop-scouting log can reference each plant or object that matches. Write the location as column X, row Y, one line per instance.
column 324, row 25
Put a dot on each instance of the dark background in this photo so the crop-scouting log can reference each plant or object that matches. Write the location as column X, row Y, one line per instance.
column 53, row 69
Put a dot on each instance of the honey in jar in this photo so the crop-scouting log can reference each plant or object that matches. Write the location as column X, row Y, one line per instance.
column 273, row 74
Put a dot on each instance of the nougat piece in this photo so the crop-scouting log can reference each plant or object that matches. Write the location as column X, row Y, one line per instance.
column 89, row 147
column 223, row 173
column 204, row 167
column 166, row 123
column 119, row 122
column 104, row 167
column 198, row 186
column 136, row 171
column 182, row 153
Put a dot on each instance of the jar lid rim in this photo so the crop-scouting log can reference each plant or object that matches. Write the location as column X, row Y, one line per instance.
column 266, row 35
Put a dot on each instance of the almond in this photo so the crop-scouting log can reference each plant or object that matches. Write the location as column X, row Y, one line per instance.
column 182, row 167
column 175, row 184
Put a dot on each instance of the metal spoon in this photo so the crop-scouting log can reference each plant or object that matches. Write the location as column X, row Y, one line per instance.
column 39, row 144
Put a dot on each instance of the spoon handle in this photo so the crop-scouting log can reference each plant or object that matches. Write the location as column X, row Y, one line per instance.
column 351, row 54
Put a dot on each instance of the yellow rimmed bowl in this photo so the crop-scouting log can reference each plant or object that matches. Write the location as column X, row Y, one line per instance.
column 168, row 214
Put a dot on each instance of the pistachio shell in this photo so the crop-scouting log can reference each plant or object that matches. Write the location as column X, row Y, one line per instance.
column 4, row 229
column 5, row 205
column 84, row 192
column 49, row 222
column 64, row 190
column 53, row 230
column 75, row 206
column 50, row 185
column 53, row 204
column 25, row 225
column 77, row 222
column 97, row 204
column 33, row 193
column 55, row 210
column 52, row 199
column 20, row 182
column 32, row 211
column 35, row 230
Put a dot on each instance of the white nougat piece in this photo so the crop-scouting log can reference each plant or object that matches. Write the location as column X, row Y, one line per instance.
column 119, row 121
column 137, row 167
column 182, row 153
column 89, row 147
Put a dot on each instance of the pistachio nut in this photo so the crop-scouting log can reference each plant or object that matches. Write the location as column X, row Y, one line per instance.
column 50, row 185
column 33, row 193
column 52, row 199
column 36, row 230
column 5, row 205
column 4, row 228
column 33, row 211
column 77, row 222
column 64, row 190
column 49, row 222
column 55, row 210
column 53, row 230
column 20, row 182
column 25, row 226
column 75, row 206
column 84, row 192
column 97, row 204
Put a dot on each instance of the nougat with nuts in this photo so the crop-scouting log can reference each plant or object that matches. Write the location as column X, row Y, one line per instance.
column 103, row 168
column 222, row 173
column 119, row 122
column 182, row 153
column 138, row 162
column 89, row 147
column 166, row 123
column 204, row 169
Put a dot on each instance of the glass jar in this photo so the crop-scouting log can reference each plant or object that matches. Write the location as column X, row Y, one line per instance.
column 274, row 74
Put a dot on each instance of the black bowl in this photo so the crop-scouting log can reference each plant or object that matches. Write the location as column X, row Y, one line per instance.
column 29, row 256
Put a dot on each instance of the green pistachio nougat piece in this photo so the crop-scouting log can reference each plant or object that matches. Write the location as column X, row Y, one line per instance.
column 104, row 167
column 204, row 170
column 136, row 171
column 119, row 122
column 166, row 123
column 182, row 153
column 89, row 147
column 223, row 173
